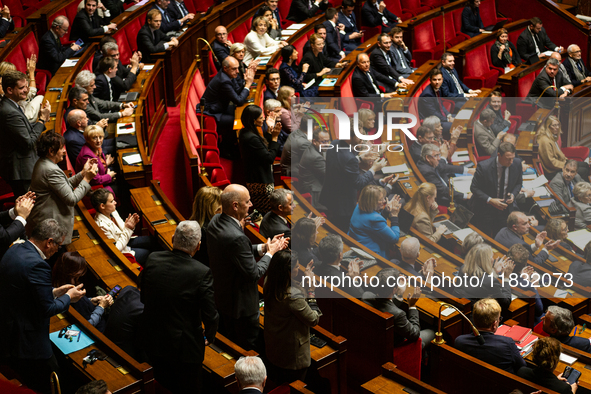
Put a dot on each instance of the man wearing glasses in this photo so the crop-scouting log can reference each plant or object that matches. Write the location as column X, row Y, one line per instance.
column 51, row 51
column 497, row 350
column 221, row 46
column 576, row 69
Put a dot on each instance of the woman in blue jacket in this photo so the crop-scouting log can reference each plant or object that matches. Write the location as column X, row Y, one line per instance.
column 471, row 22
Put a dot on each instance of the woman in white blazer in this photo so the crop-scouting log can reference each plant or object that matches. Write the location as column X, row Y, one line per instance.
column 108, row 219
column 258, row 42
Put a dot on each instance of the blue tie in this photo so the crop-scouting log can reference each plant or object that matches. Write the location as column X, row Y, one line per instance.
column 570, row 186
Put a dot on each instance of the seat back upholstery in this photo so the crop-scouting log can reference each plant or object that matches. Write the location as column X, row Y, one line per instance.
column 70, row 11
column 524, row 84
column 476, row 62
column 457, row 18
column 425, row 36
column 126, row 38
column 283, row 6
column 450, row 30
column 241, row 31
column 434, row 3
column 347, row 101
column 488, row 12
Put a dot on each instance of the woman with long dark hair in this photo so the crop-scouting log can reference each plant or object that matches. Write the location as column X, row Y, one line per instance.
column 471, row 22
column 258, row 155
column 292, row 74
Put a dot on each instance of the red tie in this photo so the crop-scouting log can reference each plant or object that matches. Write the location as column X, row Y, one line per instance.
column 554, row 83
column 440, row 106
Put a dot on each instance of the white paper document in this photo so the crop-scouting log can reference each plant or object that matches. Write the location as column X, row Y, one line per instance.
column 460, row 155
column 547, row 53
column 310, row 83
column 148, row 67
column 70, row 62
column 132, row 159
column 395, row 169
column 463, row 233
column 464, row 114
column 570, row 360
column 447, row 311
column 540, row 191
column 462, row 183
column 580, row 238
column 538, row 182
column 123, row 128
column 296, row 26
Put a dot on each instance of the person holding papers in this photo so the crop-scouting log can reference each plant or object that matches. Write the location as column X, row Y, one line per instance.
column 582, row 202
column 498, row 350
column 258, row 42
column 293, row 75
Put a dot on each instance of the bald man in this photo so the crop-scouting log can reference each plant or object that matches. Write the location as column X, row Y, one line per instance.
column 221, row 46
column 561, row 68
column 576, row 70
column 366, row 81
column 410, row 249
column 74, row 135
column 235, row 269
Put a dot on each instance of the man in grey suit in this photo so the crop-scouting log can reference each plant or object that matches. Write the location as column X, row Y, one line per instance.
column 312, row 166
column 486, row 141
column 295, row 145
column 17, row 152
column 97, row 109
column 564, row 182
column 234, row 268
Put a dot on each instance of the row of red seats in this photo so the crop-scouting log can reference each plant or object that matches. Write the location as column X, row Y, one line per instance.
column 21, row 9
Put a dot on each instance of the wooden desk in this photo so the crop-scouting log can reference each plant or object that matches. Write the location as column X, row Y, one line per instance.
column 392, row 380
column 526, row 145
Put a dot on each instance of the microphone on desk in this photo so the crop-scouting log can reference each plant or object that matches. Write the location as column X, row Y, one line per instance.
column 439, row 335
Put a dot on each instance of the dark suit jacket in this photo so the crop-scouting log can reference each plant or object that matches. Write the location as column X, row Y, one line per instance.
column 410, row 268
column 219, row 93
column 115, row 7
column 51, row 53
column 542, row 82
column 494, row 55
column 124, row 321
column 6, row 27
column 380, row 64
column 177, row 293
column 102, row 90
column 25, row 279
column 471, row 22
column 343, row 180
column 485, row 183
column 74, row 143
column 497, row 350
column 448, row 88
column 169, row 22
column 332, row 40
column 415, row 151
column 269, row 94
column 257, row 158
column 428, row 105
column 174, row 10
column 406, row 324
column 527, row 48
column 221, row 52
column 298, row 11
column 508, row 238
column 17, row 151
column 362, row 86
column 581, row 272
column 98, row 109
column 406, row 58
column 148, row 45
column 571, row 73
column 349, row 28
column 544, row 378
column 326, row 269
column 273, row 224
column 445, row 170
column 293, row 149
column 560, row 187
column 234, row 268
column 580, row 343
column 83, row 28
column 312, row 168
column 10, row 230
column 371, row 17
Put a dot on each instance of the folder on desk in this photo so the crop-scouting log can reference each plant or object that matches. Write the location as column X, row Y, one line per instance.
column 66, row 346
column 528, row 126
column 129, row 96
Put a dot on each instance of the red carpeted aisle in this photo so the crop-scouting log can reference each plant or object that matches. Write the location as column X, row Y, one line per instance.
column 168, row 164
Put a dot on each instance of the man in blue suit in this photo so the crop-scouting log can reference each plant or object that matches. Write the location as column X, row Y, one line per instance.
column 430, row 102
column 179, row 10
column 219, row 95
column 558, row 322
column 169, row 21
column 352, row 37
column 25, row 280
column 334, row 38
column 497, row 350
column 453, row 87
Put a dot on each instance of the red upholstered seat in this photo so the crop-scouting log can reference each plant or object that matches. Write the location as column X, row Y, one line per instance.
column 434, row 3
column 241, row 31
column 488, row 13
column 414, row 6
column 524, row 85
column 453, row 36
column 396, row 8
column 19, row 55
column 283, row 6
column 477, row 71
column 539, row 329
column 347, row 101
column 200, row 5
column 369, row 31
column 457, row 18
column 218, row 178
column 426, row 48
column 408, row 357
column 212, row 70
column 283, row 389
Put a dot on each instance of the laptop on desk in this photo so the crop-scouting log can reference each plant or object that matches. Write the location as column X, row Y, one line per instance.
column 129, row 96
column 497, row 25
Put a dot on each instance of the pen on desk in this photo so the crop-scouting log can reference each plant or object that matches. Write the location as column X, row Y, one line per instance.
column 79, row 335
column 584, row 327
column 575, row 331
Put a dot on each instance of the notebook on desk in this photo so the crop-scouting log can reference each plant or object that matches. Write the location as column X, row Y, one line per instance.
column 530, row 125
column 129, row 96
column 496, row 26
column 335, row 71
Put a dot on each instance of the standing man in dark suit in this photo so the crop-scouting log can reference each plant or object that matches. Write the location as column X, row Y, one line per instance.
column 25, row 280
column 218, row 98
column 564, row 182
column 496, row 183
column 300, row 10
column 151, row 39
column 221, row 46
column 365, row 80
column 518, row 225
column 169, row 22
column 275, row 221
column 534, row 41
column 6, row 22
column 437, row 171
column 402, row 55
column 251, row 375
column 452, row 86
column 177, row 293
column 17, row 152
column 558, row 322
column 344, row 179
column 430, row 101
column 497, row 350
column 352, row 36
column 235, row 270
column 375, row 14
column 312, row 166
column 383, row 60
column 51, row 51
column 575, row 68
column 124, row 322
column 548, row 85
column 88, row 24
column 334, row 36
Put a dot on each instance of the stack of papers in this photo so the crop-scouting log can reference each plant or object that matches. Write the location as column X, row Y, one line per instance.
column 538, row 182
column 148, row 67
column 296, row 26
column 395, row 169
column 263, row 60
column 460, row 156
column 579, row 238
column 70, row 62
column 462, row 184
column 132, row 159
column 463, row 233
column 570, row 360
column 464, row 114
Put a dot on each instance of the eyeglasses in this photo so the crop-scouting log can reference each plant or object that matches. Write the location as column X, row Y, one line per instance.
column 221, row 34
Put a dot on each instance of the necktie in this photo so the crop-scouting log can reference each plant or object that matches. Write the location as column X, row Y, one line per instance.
column 402, row 62
column 339, row 38
column 58, row 42
column 554, row 83
column 502, row 184
column 183, row 9
column 570, row 187
column 388, row 59
column 166, row 16
column 440, row 106
column 456, row 82
column 110, row 90
column 372, row 83
column 579, row 66
column 537, row 43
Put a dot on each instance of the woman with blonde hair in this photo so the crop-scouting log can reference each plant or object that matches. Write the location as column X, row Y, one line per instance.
column 319, row 65
column 290, row 118
column 238, row 51
column 551, row 156
column 93, row 149
column 368, row 226
column 367, row 120
column 258, row 42
column 207, row 203
column 32, row 103
column 546, row 355
column 582, row 202
column 423, row 206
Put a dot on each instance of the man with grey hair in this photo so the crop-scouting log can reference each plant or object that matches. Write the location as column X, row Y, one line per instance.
column 177, row 293
column 272, row 110
column 330, row 251
column 51, row 51
column 126, row 75
column 275, row 221
column 576, row 70
column 486, row 141
column 437, row 171
column 25, row 280
column 312, row 167
column 558, row 323
column 98, row 109
column 447, row 148
column 561, row 68
column 410, row 249
column 548, row 86
column 251, row 374
column 234, row 268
